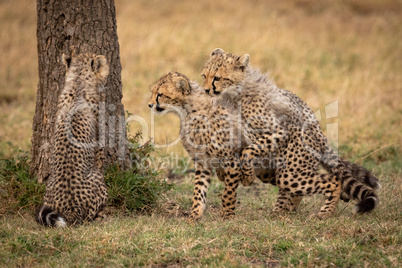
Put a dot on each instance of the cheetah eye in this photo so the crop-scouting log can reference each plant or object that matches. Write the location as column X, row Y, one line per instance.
column 159, row 95
column 216, row 78
column 203, row 76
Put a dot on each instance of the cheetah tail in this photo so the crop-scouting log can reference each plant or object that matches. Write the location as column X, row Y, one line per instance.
column 358, row 184
column 361, row 174
column 48, row 217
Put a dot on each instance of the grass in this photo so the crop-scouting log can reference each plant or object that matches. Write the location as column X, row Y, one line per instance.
column 254, row 237
column 17, row 188
column 134, row 192
column 324, row 51
column 163, row 237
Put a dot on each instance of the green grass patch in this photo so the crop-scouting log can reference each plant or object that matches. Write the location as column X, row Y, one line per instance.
column 18, row 189
column 134, row 192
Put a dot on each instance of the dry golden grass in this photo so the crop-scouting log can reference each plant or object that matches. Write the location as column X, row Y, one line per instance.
column 323, row 51
column 18, row 72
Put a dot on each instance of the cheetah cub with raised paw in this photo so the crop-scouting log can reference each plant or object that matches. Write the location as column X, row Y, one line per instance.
column 291, row 132
column 76, row 191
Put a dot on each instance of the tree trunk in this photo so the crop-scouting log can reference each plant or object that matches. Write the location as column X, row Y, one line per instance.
column 83, row 26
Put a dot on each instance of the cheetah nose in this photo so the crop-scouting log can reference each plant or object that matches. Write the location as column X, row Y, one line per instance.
column 207, row 90
column 150, row 105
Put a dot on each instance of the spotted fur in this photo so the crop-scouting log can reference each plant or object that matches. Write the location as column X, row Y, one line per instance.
column 291, row 133
column 76, row 191
column 210, row 134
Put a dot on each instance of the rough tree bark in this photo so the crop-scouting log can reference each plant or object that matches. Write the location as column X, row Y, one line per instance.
column 85, row 26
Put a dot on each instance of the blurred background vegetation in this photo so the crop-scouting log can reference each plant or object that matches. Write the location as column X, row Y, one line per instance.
column 324, row 51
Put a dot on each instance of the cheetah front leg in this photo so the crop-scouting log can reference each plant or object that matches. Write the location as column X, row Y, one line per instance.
column 201, row 183
column 232, row 177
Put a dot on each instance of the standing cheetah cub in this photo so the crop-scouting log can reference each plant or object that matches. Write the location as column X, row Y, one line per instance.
column 76, row 191
column 210, row 133
column 296, row 134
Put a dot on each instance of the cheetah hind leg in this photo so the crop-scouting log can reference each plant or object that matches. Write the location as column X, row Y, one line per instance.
column 332, row 192
column 331, row 187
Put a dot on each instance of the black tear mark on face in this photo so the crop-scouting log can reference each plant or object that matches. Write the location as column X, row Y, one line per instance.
column 216, row 79
column 158, row 107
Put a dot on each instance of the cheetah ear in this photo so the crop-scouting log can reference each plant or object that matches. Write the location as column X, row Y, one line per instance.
column 183, row 85
column 66, row 61
column 100, row 67
column 217, row 51
column 242, row 62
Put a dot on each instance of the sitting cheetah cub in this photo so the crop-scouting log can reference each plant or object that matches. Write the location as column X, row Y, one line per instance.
column 282, row 119
column 210, row 134
column 76, row 191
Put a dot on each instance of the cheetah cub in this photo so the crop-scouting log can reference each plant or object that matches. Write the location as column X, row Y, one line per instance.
column 76, row 191
column 211, row 135
column 291, row 132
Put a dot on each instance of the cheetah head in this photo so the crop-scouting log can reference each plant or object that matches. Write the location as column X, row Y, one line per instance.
column 169, row 93
column 92, row 67
column 224, row 72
